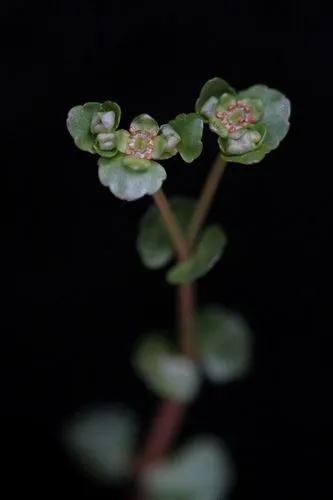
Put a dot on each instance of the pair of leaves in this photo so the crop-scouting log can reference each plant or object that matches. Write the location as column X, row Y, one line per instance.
column 224, row 344
column 275, row 119
column 201, row 470
column 155, row 248
column 103, row 440
column 166, row 373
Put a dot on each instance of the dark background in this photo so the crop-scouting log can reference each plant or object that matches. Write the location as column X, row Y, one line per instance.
column 81, row 295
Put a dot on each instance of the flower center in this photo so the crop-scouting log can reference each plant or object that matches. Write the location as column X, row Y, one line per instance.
column 237, row 115
column 140, row 144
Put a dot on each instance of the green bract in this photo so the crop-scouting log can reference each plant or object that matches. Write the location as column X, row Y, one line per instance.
column 200, row 470
column 126, row 183
column 204, row 257
column 153, row 244
column 249, row 123
column 224, row 344
column 92, row 127
column 168, row 374
column 189, row 128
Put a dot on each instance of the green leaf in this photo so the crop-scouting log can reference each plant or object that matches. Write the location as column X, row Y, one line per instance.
column 276, row 112
column 207, row 253
column 128, row 184
column 201, row 470
column 113, row 106
column 102, row 440
column 246, row 158
column 224, row 343
column 78, row 125
column 212, row 88
column 153, row 244
column 165, row 144
column 167, row 374
column 189, row 127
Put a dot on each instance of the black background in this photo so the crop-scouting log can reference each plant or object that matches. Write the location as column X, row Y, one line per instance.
column 81, row 296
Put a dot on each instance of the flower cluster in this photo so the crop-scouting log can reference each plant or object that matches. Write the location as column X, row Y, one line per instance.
column 249, row 123
column 127, row 163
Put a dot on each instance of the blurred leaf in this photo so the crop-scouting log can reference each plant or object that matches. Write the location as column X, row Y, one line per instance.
column 126, row 183
column 190, row 128
column 212, row 88
column 202, row 470
column 102, row 440
column 207, row 253
column 167, row 374
column 224, row 344
column 153, row 242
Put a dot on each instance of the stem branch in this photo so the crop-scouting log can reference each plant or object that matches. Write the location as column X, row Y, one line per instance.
column 205, row 199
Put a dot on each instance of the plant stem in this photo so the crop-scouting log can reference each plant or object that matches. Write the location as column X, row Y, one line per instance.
column 170, row 414
column 205, row 199
column 186, row 318
column 165, row 425
column 175, row 232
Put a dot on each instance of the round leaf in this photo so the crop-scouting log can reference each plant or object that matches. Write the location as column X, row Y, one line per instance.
column 207, row 253
column 103, row 440
column 128, row 184
column 224, row 344
column 189, row 127
column 212, row 88
column 153, row 244
column 167, row 374
column 78, row 124
column 276, row 112
column 201, row 470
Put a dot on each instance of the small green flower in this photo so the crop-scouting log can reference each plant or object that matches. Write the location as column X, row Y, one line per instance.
column 146, row 141
column 249, row 123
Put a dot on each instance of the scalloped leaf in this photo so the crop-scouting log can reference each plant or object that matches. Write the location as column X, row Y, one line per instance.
column 167, row 374
column 205, row 256
column 200, row 470
column 102, row 440
column 189, row 127
column 212, row 88
column 153, row 243
column 128, row 184
column 276, row 109
column 78, row 125
column 224, row 343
